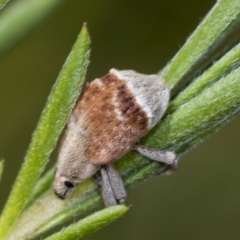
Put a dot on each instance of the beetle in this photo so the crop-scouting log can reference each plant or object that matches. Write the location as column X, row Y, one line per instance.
column 107, row 122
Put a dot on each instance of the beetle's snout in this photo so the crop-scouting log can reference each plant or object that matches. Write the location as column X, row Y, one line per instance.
column 63, row 187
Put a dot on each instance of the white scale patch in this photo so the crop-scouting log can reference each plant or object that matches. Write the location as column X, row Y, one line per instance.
column 116, row 107
column 150, row 92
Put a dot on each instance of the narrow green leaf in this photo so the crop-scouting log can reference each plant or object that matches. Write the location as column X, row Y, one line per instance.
column 3, row 3
column 90, row 224
column 200, row 137
column 20, row 17
column 215, row 105
column 223, row 66
column 208, row 35
column 1, row 168
column 93, row 199
column 43, row 184
column 143, row 173
column 90, row 202
column 49, row 210
column 52, row 121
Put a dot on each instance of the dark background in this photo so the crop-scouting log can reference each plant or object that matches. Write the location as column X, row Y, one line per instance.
column 201, row 200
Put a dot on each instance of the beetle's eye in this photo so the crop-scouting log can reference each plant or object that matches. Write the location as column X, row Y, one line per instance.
column 68, row 184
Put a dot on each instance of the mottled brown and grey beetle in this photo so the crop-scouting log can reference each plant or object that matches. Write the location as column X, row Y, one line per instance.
column 107, row 122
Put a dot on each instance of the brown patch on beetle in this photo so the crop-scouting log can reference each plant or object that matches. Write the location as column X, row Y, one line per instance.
column 114, row 120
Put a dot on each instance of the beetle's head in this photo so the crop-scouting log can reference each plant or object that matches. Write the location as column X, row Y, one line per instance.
column 67, row 177
column 63, row 186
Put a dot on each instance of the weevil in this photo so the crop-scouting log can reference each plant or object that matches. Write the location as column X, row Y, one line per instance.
column 107, row 122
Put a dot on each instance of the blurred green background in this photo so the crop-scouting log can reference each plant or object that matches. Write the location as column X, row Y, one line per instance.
column 201, row 200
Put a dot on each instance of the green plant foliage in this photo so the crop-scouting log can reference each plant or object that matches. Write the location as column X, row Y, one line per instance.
column 1, row 168
column 226, row 64
column 213, row 106
column 209, row 34
column 3, row 3
column 53, row 119
column 196, row 112
column 43, row 184
column 20, row 17
column 90, row 224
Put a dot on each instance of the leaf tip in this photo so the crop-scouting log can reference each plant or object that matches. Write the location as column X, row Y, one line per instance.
column 1, row 166
column 85, row 25
column 84, row 29
column 119, row 210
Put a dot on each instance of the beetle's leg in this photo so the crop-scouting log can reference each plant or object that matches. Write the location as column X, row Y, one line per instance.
column 158, row 155
column 117, row 184
column 113, row 190
column 107, row 192
column 169, row 169
column 167, row 157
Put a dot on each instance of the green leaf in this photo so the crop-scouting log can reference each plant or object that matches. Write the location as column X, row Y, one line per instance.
column 50, row 211
column 3, row 3
column 206, row 38
column 53, row 119
column 43, row 184
column 213, row 106
column 90, row 224
column 223, row 66
column 20, row 17
column 1, row 168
